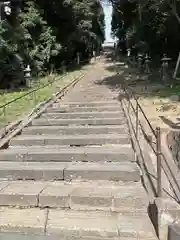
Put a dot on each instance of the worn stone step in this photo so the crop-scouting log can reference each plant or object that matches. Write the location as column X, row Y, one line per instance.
column 59, row 147
column 91, row 154
column 106, row 198
column 70, row 224
column 87, row 104
column 69, row 171
column 73, row 130
column 32, row 171
column 100, row 224
column 72, row 140
column 78, row 121
column 63, row 171
column 75, row 195
column 66, row 109
column 32, row 236
column 106, row 171
column 83, row 115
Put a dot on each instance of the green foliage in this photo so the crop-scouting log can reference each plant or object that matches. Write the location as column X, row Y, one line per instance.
column 39, row 41
column 158, row 28
column 48, row 33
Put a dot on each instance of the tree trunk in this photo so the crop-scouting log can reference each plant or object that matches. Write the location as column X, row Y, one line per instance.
column 177, row 67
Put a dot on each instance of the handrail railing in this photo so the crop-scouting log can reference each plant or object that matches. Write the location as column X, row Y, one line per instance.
column 140, row 108
column 160, row 157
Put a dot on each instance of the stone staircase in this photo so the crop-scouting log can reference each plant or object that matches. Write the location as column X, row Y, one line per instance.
column 72, row 175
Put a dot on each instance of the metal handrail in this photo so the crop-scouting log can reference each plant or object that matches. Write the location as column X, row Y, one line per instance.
column 129, row 93
column 140, row 108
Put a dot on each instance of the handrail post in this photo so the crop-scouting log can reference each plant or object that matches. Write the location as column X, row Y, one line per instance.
column 4, row 112
column 34, row 97
column 158, row 149
column 137, row 121
column 137, row 128
column 128, row 103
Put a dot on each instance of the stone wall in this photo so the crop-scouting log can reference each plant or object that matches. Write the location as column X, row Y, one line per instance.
column 174, row 232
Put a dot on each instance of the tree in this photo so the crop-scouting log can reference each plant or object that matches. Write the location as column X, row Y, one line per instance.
column 155, row 27
column 47, row 33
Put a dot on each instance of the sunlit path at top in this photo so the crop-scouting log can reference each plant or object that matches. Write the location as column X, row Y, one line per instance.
column 107, row 6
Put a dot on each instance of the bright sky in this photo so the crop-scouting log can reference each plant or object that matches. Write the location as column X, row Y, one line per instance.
column 108, row 16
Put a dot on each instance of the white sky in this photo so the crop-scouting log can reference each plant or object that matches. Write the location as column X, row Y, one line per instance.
column 108, row 17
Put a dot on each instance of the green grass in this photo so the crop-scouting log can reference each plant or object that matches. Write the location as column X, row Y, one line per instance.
column 161, row 91
column 168, row 92
column 23, row 106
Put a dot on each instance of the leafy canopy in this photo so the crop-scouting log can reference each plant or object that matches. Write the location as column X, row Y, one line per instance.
column 150, row 21
column 48, row 33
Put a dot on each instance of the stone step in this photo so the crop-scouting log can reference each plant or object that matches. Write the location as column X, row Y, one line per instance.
column 71, row 140
column 73, row 130
column 71, row 224
column 32, row 236
column 78, row 154
column 100, row 224
column 59, row 147
column 69, row 171
column 77, row 121
column 66, row 109
column 83, row 115
column 87, row 104
column 88, row 196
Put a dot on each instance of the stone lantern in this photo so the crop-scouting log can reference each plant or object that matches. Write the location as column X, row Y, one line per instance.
column 140, row 61
column 146, row 63
column 128, row 52
column 27, row 75
column 164, row 69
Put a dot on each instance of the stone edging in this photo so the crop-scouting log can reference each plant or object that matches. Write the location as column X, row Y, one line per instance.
column 170, row 161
